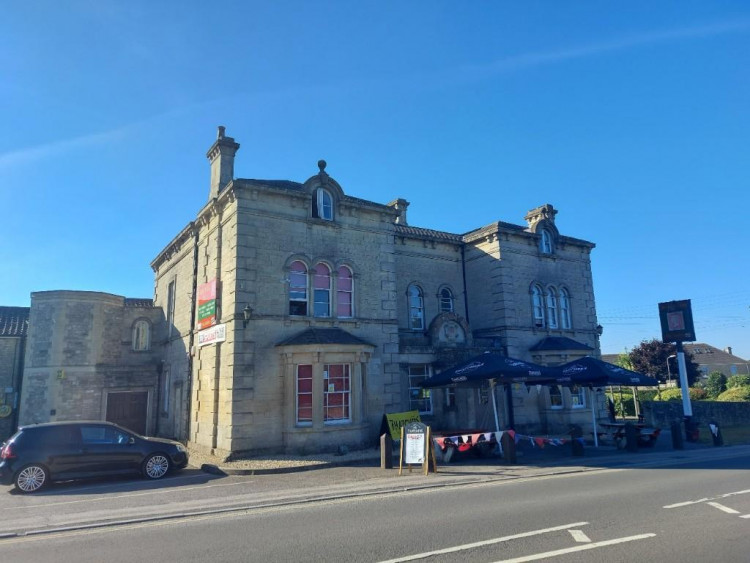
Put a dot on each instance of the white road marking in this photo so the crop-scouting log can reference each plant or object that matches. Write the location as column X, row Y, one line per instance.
column 679, row 504
column 548, row 554
column 724, row 508
column 483, row 543
column 745, row 516
column 579, row 536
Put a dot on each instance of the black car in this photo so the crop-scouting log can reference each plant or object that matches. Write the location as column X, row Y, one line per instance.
column 57, row 451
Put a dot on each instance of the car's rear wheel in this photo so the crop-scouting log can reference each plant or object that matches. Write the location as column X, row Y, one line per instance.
column 31, row 478
column 156, row 466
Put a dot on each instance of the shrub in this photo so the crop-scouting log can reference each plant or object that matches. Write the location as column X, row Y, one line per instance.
column 735, row 394
column 675, row 394
column 716, row 384
column 738, row 381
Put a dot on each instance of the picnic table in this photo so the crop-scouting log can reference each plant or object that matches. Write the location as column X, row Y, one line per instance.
column 615, row 431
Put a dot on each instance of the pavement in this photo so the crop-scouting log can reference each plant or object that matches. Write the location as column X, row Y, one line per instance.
column 216, row 489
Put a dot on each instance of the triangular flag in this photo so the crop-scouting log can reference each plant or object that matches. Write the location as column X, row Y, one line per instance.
column 488, row 436
column 465, row 438
column 475, row 438
column 498, row 436
column 539, row 442
column 512, row 433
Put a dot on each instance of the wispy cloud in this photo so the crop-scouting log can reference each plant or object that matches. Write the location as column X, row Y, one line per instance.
column 528, row 60
column 31, row 154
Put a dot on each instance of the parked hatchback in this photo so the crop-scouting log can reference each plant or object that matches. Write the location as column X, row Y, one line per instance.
column 58, row 451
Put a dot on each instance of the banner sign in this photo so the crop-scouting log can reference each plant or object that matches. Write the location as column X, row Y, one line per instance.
column 207, row 304
column 393, row 422
column 217, row 333
column 676, row 319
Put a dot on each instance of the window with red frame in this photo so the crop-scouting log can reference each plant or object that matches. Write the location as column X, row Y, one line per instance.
column 304, row 395
column 336, row 393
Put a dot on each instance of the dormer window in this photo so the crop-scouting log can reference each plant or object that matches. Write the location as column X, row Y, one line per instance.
column 545, row 242
column 323, row 205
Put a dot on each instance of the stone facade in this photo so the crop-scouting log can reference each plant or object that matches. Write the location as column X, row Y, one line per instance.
column 14, row 322
column 474, row 292
column 80, row 352
column 329, row 312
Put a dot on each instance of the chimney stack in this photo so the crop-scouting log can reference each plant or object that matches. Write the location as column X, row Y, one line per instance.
column 221, row 156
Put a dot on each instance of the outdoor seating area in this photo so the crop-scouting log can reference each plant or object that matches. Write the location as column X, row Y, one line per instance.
column 615, row 433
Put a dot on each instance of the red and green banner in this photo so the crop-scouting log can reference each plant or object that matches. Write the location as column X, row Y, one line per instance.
column 207, row 304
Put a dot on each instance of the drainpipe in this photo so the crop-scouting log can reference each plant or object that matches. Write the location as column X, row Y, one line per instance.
column 463, row 275
column 191, row 338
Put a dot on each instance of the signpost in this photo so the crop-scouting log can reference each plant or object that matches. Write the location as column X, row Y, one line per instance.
column 416, row 447
column 676, row 319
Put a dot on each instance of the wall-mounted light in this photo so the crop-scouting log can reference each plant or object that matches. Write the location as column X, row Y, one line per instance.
column 599, row 329
column 247, row 314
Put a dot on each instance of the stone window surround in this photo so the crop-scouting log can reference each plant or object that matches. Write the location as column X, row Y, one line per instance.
column 541, row 304
column 141, row 321
column 333, row 297
column 318, row 356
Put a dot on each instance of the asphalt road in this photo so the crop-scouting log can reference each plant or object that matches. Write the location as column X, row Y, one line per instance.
column 696, row 511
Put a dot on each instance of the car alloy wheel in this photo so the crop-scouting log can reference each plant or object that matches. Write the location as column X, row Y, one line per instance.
column 156, row 466
column 31, row 478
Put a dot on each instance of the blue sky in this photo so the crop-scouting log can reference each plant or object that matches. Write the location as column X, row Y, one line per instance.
column 632, row 119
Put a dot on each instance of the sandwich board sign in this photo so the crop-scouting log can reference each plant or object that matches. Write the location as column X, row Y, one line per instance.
column 416, row 447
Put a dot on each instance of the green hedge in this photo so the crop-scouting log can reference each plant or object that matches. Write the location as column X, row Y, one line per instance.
column 675, row 394
column 735, row 395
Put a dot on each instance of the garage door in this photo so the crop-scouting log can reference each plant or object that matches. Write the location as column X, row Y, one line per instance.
column 128, row 410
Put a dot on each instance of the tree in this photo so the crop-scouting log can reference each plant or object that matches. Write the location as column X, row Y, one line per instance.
column 716, row 384
column 651, row 356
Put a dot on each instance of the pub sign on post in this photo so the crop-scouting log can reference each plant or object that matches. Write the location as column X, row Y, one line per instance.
column 676, row 319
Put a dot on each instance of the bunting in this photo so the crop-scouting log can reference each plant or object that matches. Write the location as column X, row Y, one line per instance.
column 465, row 441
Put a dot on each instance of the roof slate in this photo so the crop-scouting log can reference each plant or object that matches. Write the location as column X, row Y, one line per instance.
column 14, row 321
column 323, row 336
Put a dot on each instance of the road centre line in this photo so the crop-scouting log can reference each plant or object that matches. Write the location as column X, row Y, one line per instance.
column 579, row 536
column 548, row 554
column 484, row 543
column 689, row 502
column 724, row 508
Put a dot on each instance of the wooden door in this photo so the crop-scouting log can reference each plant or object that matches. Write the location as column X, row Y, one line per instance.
column 129, row 410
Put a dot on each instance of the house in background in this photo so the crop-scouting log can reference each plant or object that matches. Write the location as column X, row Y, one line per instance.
column 14, row 323
column 711, row 359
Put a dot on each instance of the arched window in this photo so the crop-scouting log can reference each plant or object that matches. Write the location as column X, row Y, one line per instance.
column 565, row 309
column 323, row 204
column 298, row 288
column 537, row 305
column 555, row 397
column 545, row 242
column 551, row 299
column 141, row 336
column 416, row 307
column 322, row 293
column 345, row 293
column 446, row 300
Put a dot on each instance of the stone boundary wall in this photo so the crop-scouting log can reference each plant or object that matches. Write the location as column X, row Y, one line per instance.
column 662, row 414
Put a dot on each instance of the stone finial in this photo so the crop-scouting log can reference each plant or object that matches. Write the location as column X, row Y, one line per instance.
column 542, row 213
column 322, row 165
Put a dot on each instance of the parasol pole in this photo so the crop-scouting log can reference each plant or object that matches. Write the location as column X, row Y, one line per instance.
column 494, row 405
column 592, row 397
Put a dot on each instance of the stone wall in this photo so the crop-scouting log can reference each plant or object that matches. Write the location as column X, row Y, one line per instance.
column 11, row 362
column 663, row 414
column 80, row 348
